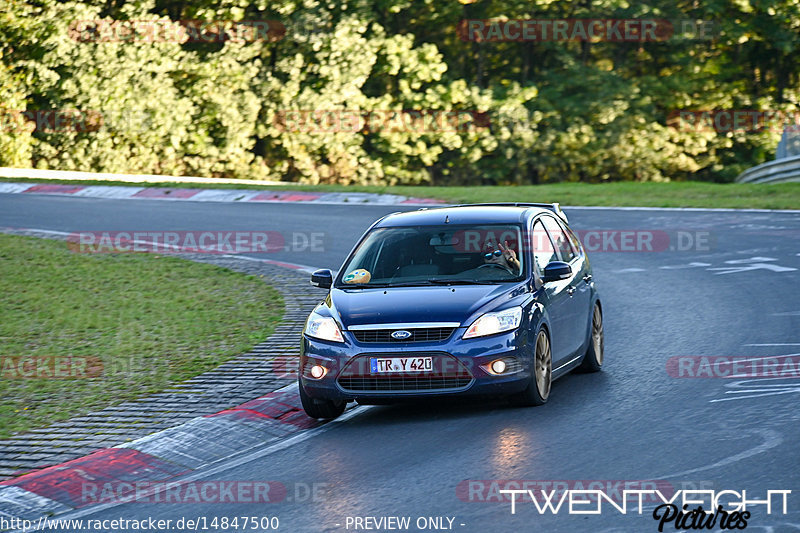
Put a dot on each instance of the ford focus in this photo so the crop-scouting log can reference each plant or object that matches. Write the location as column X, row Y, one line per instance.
column 488, row 299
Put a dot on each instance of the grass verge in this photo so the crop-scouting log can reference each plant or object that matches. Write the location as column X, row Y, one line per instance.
column 671, row 194
column 141, row 321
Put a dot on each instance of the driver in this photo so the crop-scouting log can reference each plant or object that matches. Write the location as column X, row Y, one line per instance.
column 504, row 256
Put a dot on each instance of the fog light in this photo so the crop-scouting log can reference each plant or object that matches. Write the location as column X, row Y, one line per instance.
column 499, row 366
column 318, row 371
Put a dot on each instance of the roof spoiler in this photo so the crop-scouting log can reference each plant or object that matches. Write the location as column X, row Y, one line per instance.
column 554, row 207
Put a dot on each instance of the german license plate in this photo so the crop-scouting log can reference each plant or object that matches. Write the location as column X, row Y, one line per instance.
column 395, row 365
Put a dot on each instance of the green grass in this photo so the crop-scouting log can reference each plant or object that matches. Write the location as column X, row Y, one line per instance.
column 672, row 194
column 151, row 320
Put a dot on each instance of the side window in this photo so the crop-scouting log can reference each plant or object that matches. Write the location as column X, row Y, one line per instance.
column 543, row 249
column 560, row 239
column 576, row 243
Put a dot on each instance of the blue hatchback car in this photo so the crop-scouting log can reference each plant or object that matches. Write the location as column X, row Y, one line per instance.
column 489, row 299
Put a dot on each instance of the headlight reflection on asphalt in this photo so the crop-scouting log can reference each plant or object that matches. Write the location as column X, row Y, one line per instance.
column 509, row 451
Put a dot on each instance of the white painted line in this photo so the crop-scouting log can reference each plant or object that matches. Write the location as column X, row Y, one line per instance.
column 771, row 438
column 777, row 392
column 753, row 266
column 52, row 232
column 776, row 344
column 760, row 388
column 689, row 209
column 690, row 265
column 275, row 262
column 758, row 259
column 748, row 391
column 627, row 270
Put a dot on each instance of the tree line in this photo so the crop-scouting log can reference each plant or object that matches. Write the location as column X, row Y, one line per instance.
column 398, row 91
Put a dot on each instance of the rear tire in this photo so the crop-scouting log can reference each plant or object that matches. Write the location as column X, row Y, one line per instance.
column 593, row 359
column 318, row 408
column 538, row 390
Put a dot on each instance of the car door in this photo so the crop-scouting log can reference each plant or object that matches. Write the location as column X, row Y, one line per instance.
column 578, row 291
column 583, row 276
column 555, row 297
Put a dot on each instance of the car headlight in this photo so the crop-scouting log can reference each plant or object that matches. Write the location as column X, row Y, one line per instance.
column 495, row 322
column 323, row 327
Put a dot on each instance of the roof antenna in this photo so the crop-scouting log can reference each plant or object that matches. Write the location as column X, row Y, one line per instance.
column 447, row 219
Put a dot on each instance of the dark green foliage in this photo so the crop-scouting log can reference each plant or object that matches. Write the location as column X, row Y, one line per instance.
column 547, row 111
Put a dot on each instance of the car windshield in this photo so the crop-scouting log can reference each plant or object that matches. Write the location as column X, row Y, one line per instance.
column 435, row 255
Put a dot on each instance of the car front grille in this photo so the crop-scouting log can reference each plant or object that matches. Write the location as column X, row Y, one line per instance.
column 448, row 374
column 417, row 335
column 404, row 383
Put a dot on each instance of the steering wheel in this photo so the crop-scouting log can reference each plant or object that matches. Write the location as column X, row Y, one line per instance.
column 493, row 265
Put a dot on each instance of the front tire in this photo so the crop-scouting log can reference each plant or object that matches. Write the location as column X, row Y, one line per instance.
column 538, row 390
column 593, row 359
column 318, row 408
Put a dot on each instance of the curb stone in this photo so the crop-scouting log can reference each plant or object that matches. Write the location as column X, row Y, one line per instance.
column 215, row 195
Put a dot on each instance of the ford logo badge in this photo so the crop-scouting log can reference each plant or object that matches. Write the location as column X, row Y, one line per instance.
column 401, row 334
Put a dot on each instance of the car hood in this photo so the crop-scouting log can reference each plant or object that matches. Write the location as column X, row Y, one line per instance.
column 401, row 305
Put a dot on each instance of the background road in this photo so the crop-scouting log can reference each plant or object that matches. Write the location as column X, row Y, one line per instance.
column 738, row 296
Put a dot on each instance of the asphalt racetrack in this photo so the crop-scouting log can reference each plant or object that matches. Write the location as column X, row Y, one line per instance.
column 729, row 287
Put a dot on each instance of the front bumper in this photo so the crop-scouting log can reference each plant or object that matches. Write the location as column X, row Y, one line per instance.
column 457, row 367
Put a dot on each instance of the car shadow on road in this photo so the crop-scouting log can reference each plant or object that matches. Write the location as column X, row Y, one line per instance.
column 569, row 392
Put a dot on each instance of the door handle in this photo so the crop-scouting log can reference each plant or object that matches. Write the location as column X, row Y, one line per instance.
column 571, row 290
column 587, row 278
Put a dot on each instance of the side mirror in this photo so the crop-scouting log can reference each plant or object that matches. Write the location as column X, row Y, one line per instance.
column 322, row 279
column 556, row 271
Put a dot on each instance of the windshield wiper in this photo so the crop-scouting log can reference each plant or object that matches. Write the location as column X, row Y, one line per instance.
column 364, row 286
column 418, row 283
column 461, row 282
